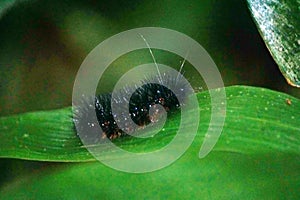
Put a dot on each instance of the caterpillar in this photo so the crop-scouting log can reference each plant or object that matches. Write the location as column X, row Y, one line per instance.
column 142, row 100
column 149, row 96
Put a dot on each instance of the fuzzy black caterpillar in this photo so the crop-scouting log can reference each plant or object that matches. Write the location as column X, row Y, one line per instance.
column 142, row 99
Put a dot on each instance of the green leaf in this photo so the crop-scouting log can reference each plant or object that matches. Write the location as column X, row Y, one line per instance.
column 41, row 135
column 256, row 157
column 279, row 25
column 257, row 121
column 221, row 175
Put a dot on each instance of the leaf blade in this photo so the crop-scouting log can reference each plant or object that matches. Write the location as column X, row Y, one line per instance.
column 252, row 126
column 279, row 25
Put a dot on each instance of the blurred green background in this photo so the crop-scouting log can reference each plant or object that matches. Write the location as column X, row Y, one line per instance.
column 43, row 43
